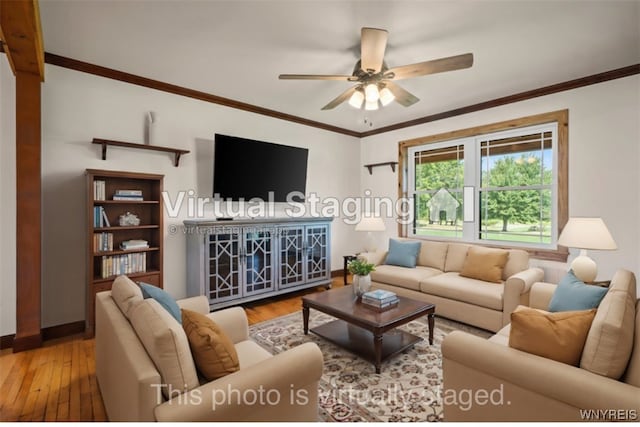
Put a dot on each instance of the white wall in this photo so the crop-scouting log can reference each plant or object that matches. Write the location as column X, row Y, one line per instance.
column 604, row 148
column 7, row 200
column 78, row 107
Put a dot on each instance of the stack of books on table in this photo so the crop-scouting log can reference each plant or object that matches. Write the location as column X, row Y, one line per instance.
column 380, row 299
column 129, row 245
column 128, row 195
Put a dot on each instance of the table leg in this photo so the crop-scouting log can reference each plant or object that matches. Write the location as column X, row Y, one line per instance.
column 431, row 318
column 305, row 318
column 344, row 271
column 377, row 345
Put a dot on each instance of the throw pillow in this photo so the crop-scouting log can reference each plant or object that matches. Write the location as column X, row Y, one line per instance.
column 403, row 254
column 163, row 298
column 557, row 336
column 485, row 264
column 214, row 353
column 126, row 294
column 573, row 294
column 610, row 341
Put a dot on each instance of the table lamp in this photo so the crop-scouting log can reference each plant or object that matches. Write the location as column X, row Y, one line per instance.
column 586, row 233
column 370, row 224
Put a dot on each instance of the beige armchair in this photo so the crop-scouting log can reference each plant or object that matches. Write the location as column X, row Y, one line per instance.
column 486, row 380
column 283, row 387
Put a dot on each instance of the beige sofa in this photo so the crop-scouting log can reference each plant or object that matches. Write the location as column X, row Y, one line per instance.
column 527, row 387
column 140, row 346
column 436, row 279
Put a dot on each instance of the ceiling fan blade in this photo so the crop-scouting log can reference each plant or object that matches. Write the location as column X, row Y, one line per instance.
column 373, row 43
column 340, row 99
column 314, row 77
column 431, row 67
column 402, row 96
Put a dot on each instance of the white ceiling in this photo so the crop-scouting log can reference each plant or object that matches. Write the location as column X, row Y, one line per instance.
column 237, row 49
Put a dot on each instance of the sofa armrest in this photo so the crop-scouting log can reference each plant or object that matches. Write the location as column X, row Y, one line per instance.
column 287, row 382
column 516, row 289
column 234, row 323
column 375, row 258
column 199, row 304
column 472, row 362
column 541, row 294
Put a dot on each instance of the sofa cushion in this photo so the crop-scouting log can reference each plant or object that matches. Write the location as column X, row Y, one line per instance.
column 163, row 298
column 610, row 341
column 484, row 264
column 213, row 351
column 557, row 336
column 250, row 353
column 433, row 254
column 453, row 286
column 632, row 374
column 456, row 254
column 403, row 253
column 401, row 276
column 126, row 294
column 518, row 261
column 166, row 343
column 573, row 294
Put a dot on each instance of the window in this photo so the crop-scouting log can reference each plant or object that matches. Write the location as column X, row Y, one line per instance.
column 492, row 186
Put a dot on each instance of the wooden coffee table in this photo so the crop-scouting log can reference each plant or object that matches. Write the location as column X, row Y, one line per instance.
column 362, row 330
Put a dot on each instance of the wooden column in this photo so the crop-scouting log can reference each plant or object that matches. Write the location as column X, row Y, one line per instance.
column 21, row 34
column 28, row 213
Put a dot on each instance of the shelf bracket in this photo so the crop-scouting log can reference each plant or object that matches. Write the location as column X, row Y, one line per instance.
column 373, row 165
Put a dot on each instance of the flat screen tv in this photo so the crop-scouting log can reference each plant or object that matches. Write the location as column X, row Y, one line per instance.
column 244, row 168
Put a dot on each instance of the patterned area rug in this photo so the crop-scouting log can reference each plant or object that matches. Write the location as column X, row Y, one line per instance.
column 409, row 388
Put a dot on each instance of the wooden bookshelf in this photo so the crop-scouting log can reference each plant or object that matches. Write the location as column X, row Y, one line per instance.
column 140, row 264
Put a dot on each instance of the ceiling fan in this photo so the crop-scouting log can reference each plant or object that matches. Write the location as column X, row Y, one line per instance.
column 375, row 81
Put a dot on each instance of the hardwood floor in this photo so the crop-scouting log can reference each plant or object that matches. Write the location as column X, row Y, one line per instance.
column 57, row 382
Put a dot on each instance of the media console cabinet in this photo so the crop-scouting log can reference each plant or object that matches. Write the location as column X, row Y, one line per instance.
column 232, row 262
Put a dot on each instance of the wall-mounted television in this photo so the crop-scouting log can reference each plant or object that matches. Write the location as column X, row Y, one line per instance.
column 245, row 168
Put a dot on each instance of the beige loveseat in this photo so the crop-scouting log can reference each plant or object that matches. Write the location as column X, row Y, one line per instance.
column 436, row 279
column 140, row 346
column 526, row 387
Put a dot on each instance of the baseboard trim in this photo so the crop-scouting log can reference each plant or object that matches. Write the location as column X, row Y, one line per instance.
column 27, row 343
column 46, row 334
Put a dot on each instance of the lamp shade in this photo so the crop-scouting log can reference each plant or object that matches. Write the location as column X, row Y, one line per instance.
column 586, row 233
column 370, row 224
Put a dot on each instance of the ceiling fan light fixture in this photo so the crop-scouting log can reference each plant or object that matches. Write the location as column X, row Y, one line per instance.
column 356, row 99
column 371, row 93
column 371, row 105
column 386, row 97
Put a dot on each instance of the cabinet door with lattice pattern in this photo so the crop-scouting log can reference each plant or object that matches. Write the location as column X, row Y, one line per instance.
column 317, row 248
column 258, row 260
column 292, row 256
column 223, row 255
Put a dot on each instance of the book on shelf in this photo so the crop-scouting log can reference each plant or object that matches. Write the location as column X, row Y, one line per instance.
column 134, row 244
column 99, row 192
column 128, row 195
column 102, row 242
column 100, row 217
column 116, row 265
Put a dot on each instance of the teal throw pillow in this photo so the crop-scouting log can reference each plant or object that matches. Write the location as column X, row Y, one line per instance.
column 573, row 294
column 403, row 254
column 163, row 298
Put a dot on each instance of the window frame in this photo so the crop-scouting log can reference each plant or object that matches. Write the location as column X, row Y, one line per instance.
column 560, row 171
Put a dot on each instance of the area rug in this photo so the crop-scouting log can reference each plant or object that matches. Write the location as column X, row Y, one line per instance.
column 409, row 387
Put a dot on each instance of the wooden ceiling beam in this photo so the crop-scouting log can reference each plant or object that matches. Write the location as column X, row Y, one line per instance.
column 21, row 34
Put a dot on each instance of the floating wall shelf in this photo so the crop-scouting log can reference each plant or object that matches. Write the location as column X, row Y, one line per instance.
column 373, row 165
column 105, row 143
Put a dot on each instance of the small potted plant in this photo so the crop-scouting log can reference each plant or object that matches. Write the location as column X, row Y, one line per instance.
column 361, row 277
